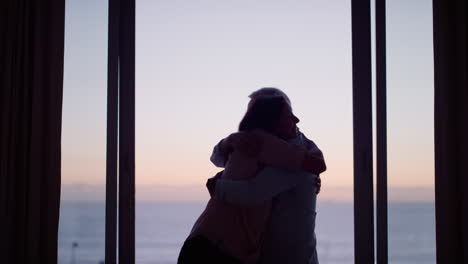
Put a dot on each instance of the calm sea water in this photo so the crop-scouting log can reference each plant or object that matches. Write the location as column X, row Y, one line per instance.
column 161, row 228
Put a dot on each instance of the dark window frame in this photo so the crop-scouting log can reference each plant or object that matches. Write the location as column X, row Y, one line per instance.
column 121, row 133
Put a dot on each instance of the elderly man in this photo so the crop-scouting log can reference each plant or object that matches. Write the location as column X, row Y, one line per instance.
column 290, row 235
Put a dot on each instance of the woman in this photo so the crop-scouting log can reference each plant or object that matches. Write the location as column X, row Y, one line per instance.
column 226, row 233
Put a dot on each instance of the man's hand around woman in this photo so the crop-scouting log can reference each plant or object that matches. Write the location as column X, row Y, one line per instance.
column 211, row 183
column 318, row 184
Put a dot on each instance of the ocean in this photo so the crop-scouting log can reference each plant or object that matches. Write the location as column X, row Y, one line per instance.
column 161, row 228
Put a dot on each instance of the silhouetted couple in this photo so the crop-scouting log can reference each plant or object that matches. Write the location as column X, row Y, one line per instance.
column 262, row 206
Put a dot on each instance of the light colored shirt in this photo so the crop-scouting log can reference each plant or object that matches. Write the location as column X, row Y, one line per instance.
column 239, row 230
column 290, row 235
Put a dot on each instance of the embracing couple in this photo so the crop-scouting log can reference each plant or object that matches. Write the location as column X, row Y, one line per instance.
column 263, row 205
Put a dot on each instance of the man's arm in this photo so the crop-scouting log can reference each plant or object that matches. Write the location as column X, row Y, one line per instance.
column 268, row 183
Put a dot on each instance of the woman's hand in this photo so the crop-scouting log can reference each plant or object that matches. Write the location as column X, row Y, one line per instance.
column 314, row 164
column 245, row 142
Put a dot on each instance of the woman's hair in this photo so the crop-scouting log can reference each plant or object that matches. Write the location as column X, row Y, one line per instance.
column 269, row 91
column 264, row 113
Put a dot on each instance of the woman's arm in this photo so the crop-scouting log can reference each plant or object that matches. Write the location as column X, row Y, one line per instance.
column 242, row 141
column 313, row 163
column 269, row 150
column 219, row 155
column 276, row 152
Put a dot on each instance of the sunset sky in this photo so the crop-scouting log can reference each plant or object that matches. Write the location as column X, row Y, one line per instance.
column 197, row 61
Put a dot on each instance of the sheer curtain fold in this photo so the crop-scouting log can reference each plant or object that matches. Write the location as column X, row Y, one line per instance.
column 451, row 129
column 31, row 70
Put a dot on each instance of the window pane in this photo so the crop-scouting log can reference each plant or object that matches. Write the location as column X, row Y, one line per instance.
column 410, row 132
column 197, row 61
column 82, row 213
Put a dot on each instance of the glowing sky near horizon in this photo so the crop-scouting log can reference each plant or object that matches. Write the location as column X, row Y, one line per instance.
column 197, row 61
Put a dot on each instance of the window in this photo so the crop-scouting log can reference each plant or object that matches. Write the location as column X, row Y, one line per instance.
column 82, row 212
column 196, row 63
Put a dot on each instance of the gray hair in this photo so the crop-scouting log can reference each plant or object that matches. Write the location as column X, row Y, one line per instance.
column 268, row 91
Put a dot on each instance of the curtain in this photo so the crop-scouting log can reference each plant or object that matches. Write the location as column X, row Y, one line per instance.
column 451, row 130
column 31, row 70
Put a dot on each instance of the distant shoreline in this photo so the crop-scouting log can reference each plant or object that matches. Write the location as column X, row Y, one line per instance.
column 197, row 193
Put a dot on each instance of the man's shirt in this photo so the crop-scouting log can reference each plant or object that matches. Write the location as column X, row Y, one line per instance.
column 290, row 235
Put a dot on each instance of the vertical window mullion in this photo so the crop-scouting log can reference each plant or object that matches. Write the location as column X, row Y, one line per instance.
column 112, row 132
column 127, row 132
column 381, row 113
column 362, row 132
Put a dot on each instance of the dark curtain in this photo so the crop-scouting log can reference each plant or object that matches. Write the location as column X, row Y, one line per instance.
column 31, row 70
column 451, row 130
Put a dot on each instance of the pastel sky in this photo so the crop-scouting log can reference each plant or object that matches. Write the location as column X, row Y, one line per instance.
column 197, row 61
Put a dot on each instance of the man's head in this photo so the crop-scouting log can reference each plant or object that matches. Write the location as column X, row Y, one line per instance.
column 266, row 92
